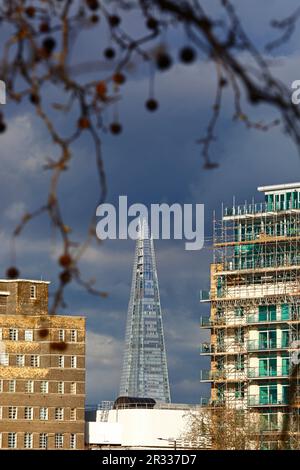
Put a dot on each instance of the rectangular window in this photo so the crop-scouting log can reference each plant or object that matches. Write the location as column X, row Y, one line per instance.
column 59, row 414
column 61, row 335
column 73, row 336
column 43, row 413
column 73, row 362
column 12, row 386
column 13, row 334
column 44, row 387
column 29, row 386
column 28, row 335
column 285, row 339
column 59, row 441
column 73, row 414
column 28, row 412
column 72, row 441
column 61, row 361
column 28, row 440
column 43, row 440
column 12, row 412
column 73, row 388
column 285, row 311
column 1, row 334
column 1, row 385
column 60, row 387
column 12, row 440
column 20, row 360
column 34, row 360
column 33, row 292
column 0, row 440
column 4, row 359
column 1, row 412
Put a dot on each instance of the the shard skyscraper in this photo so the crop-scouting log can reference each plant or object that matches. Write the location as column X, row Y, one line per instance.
column 145, row 371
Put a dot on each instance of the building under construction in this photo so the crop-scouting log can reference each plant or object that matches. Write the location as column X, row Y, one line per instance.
column 255, row 313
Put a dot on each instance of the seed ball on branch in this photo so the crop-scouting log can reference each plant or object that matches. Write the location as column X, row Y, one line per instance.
column 115, row 128
column 151, row 104
column 12, row 272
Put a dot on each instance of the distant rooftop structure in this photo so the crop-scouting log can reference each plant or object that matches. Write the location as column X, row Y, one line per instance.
column 278, row 187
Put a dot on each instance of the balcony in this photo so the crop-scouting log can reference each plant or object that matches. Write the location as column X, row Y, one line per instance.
column 259, row 208
column 205, row 322
column 222, row 348
column 204, row 296
column 255, row 345
column 222, row 375
column 207, row 348
column 255, row 400
column 256, row 373
column 255, row 318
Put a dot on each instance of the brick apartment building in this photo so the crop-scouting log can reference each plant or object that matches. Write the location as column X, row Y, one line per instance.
column 42, row 371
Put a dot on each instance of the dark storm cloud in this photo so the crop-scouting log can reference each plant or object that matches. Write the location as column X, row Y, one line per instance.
column 154, row 160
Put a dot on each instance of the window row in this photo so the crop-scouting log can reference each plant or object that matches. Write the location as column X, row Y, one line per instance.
column 14, row 334
column 34, row 360
column 15, row 440
column 43, row 413
column 31, row 386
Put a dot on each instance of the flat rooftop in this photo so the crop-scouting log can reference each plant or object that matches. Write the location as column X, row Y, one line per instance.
column 278, row 187
column 25, row 280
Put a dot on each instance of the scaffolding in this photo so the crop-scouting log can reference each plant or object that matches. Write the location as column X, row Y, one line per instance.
column 255, row 312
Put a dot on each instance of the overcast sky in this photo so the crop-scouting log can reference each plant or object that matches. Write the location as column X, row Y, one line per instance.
column 155, row 160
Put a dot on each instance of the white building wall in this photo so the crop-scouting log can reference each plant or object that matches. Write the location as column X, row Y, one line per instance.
column 139, row 428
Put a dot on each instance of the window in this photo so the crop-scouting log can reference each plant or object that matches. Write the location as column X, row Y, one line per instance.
column 33, row 292
column 240, row 363
column 60, row 387
column 43, row 440
column 267, row 313
column 44, row 387
column 73, row 362
column 4, row 358
column 267, row 394
column 239, row 311
column 43, row 413
column 1, row 334
column 72, row 441
column 59, row 414
column 73, row 388
column 28, row 335
column 28, row 440
column 13, row 334
column 28, row 412
column 29, row 386
column 1, row 385
column 34, row 360
column 59, row 441
column 73, row 336
column 239, row 390
column 12, row 440
column 1, row 412
column 20, row 360
column 61, row 335
column 12, row 412
column 73, row 414
column 267, row 367
column 0, row 440
column 11, row 386
column 61, row 361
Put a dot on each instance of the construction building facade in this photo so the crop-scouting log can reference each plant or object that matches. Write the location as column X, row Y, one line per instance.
column 255, row 313
column 42, row 371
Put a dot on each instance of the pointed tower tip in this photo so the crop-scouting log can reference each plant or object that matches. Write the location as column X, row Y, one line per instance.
column 143, row 228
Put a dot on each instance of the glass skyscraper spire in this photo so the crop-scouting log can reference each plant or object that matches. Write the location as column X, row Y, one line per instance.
column 145, row 371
